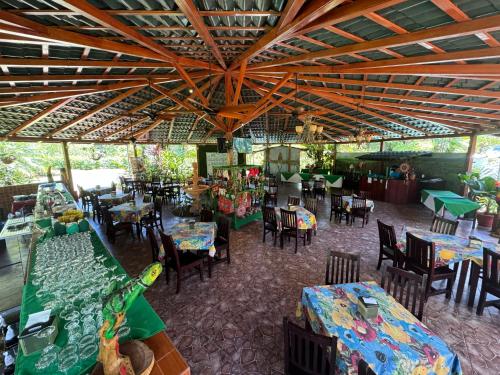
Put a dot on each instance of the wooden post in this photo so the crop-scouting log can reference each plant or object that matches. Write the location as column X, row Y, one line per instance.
column 469, row 158
column 67, row 165
column 134, row 147
column 290, row 157
column 334, row 161
column 381, row 164
column 229, row 138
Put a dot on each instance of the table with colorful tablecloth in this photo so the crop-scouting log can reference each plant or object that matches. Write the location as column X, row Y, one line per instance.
column 306, row 220
column 395, row 342
column 130, row 213
column 440, row 200
column 330, row 179
column 98, row 190
column 347, row 201
column 200, row 237
column 450, row 249
column 114, row 199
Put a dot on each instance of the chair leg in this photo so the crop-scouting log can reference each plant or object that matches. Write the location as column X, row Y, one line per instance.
column 482, row 301
column 281, row 240
column 275, row 236
column 264, row 236
column 379, row 264
column 201, row 272
column 167, row 274
column 296, row 242
column 228, row 255
column 178, row 282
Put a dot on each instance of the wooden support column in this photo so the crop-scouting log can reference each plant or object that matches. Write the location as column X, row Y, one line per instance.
column 290, row 157
column 229, row 139
column 469, row 158
column 67, row 166
column 334, row 161
column 381, row 164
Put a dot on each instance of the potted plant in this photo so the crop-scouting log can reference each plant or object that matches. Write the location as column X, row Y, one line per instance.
column 483, row 191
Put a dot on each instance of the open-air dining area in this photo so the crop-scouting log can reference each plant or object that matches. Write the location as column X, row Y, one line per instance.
column 249, row 187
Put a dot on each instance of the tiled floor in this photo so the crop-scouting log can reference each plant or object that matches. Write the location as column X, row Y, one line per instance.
column 231, row 323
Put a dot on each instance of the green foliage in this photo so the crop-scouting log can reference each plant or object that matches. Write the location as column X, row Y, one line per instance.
column 33, row 159
column 170, row 161
column 482, row 190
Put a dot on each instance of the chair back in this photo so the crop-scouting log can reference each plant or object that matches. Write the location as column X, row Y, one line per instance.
column 491, row 265
column 386, row 235
column 223, row 227
column 358, row 203
column 307, row 352
column 157, row 204
column 305, row 186
column 364, row 369
column 342, row 268
column 420, row 254
column 406, row 287
column 108, row 219
column 288, row 219
column 206, row 215
column 319, row 183
column 346, row 192
column 155, row 249
column 269, row 215
column 147, row 198
column 337, row 201
column 170, row 249
column 443, row 226
column 294, row 201
column 363, row 194
column 311, row 205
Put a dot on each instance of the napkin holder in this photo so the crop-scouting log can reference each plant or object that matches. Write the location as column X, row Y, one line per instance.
column 32, row 343
column 367, row 310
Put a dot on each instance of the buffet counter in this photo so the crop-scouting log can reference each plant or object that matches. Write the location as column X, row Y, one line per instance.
column 389, row 190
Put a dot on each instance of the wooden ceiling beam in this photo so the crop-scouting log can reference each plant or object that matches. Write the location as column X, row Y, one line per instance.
column 291, row 10
column 22, row 100
column 27, row 28
column 148, row 12
column 399, row 86
column 125, row 129
column 94, row 111
column 347, row 12
column 39, row 116
column 490, row 23
column 170, row 28
column 102, row 18
column 80, row 63
column 419, row 99
column 191, row 12
column 313, row 10
column 239, row 84
column 470, row 71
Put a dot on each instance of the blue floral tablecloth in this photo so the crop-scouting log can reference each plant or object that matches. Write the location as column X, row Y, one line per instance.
column 201, row 237
column 395, row 342
column 130, row 213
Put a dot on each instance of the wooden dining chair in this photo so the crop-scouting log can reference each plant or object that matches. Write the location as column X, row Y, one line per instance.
column 206, row 215
column 406, row 287
column 364, row 369
column 180, row 262
column 115, row 227
column 342, row 268
column 491, row 280
column 387, row 245
column 306, row 189
column 153, row 243
column 270, row 199
column 421, row 259
column 319, row 189
column 337, row 207
column 289, row 228
column 270, row 224
column 222, row 238
column 363, row 194
column 293, row 201
column 307, row 352
column 311, row 205
column 359, row 209
column 443, row 226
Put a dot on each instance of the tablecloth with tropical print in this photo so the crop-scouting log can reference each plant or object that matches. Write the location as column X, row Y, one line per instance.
column 305, row 219
column 130, row 213
column 199, row 237
column 395, row 342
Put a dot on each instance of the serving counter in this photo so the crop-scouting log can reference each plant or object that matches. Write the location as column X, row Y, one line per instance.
column 390, row 190
column 142, row 322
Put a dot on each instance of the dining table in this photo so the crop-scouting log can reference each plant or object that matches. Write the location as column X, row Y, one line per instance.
column 451, row 249
column 347, row 201
column 306, row 220
column 198, row 236
column 393, row 342
column 111, row 199
column 131, row 212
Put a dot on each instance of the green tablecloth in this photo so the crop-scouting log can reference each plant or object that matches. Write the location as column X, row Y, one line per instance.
column 438, row 200
column 141, row 318
column 331, row 180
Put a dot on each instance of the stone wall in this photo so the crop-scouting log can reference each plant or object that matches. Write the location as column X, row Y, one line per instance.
column 443, row 165
column 7, row 192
